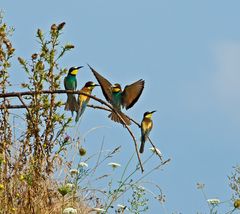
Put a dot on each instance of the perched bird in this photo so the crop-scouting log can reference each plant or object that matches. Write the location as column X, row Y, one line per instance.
column 146, row 127
column 70, row 83
column 83, row 100
column 118, row 98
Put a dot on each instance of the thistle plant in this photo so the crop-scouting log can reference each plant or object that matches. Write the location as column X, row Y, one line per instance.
column 32, row 158
column 6, row 54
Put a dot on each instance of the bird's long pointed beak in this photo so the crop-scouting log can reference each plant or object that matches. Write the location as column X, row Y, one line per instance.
column 153, row 111
column 96, row 85
column 80, row 67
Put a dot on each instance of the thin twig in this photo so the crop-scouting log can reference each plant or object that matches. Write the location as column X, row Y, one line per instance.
column 12, row 106
column 99, row 155
column 155, row 149
column 136, row 147
column 24, row 104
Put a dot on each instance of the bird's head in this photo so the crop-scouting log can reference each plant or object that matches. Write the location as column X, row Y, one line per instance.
column 74, row 70
column 116, row 88
column 91, row 85
column 148, row 114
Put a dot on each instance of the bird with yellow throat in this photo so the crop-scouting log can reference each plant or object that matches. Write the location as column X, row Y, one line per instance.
column 70, row 83
column 119, row 98
column 146, row 127
column 83, row 99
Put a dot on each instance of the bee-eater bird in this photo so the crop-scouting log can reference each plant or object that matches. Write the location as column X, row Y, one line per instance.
column 118, row 98
column 70, row 83
column 146, row 127
column 83, row 100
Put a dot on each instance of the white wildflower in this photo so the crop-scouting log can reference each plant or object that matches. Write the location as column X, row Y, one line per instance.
column 156, row 150
column 69, row 210
column 83, row 164
column 114, row 165
column 70, row 186
column 98, row 209
column 141, row 188
column 122, row 207
column 213, row 201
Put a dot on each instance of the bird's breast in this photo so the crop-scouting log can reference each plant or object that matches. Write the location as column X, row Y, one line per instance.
column 116, row 99
column 147, row 124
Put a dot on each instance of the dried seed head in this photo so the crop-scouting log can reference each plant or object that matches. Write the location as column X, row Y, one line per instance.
column 34, row 56
column 74, row 172
column 11, row 51
column 40, row 66
column 54, row 27
column 61, row 26
column 237, row 203
column 40, row 34
column 69, row 46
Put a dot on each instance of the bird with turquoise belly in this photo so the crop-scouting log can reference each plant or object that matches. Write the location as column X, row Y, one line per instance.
column 118, row 98
column 70, row 83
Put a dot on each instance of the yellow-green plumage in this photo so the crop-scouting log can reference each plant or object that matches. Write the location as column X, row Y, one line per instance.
column 83, row 100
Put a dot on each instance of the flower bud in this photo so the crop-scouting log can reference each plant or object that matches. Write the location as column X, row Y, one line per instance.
column 82, row 151
column 21, row 61
column 34, row 56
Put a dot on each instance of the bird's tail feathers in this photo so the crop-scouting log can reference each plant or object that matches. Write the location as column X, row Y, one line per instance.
column 114, row 116
column 143, row 140
column 80, row 111
column 71, row 104
column 79, row 114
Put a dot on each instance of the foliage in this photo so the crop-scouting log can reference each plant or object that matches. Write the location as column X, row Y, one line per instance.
column 138, row 200
column 31, row 159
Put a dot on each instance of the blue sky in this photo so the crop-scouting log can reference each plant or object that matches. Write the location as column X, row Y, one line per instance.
column 187, row 51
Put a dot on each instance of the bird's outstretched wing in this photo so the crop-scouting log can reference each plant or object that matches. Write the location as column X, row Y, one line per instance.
column 132, row 93
column 105, row 85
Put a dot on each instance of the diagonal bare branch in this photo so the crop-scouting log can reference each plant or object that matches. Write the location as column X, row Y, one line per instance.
column 24, row 104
